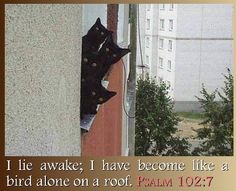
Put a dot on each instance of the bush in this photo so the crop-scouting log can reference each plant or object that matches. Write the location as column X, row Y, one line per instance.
column 217, row 134
column 156, row 121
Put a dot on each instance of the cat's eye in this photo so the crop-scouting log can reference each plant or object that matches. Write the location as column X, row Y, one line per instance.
column 97, row 28
column 94, row 64
column 93, row 93
column 85, row 59
column 107, row 49
column 114, row 55
column 102, row 33
column 100, row 99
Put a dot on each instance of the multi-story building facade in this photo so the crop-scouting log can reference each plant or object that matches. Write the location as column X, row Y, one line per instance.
column 187, row 45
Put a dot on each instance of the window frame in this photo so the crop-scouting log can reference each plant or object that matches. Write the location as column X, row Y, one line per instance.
column 162, row 24
column 168, row 83
column 161, row 62
column 171, row 24
column 170, row 45
column 147, row 42
column 160, row 79
column 162, row 6
column 169, row 65
column 147, row 60
column 161, row 40
column 148, row 25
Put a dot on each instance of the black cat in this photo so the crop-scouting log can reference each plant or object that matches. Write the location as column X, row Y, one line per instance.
column 90, row 45
column 97, row 65
column 110, row 53
column 93, row 94
column 91, row 65
column 95, row 37
column 99, row 52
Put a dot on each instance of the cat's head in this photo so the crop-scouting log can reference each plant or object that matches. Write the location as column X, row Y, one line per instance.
column 98, row 33
column 111, row 51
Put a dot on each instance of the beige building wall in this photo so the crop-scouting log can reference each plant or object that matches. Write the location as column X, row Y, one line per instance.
column 42, row 79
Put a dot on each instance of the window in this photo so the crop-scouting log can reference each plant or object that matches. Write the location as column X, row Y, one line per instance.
column 162, row 24
column 121, row 29
column 162, row 6
column 171, row 7
column 170, row 25
column 170, row 45
column 168, row 84
column 169, row 65
column 148, row 7
column 161, row 45
column 148, row 24
column 160, row 79
column 160, row 62
column 147, row 60
column 147, row 42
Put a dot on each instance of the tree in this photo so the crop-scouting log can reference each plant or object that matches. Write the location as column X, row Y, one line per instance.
column 217, row 135
column 156, row 121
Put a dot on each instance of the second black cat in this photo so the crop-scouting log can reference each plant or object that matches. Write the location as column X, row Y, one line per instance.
column 93, row 94
column 109, row 54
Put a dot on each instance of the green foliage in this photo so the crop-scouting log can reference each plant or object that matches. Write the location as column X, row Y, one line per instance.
column 156, row 122
column 217, row 135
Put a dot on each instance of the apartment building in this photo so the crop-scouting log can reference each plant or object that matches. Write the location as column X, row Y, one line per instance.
column 187, row 45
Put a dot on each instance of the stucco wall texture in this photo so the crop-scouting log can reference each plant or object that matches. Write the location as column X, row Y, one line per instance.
column 42, row 86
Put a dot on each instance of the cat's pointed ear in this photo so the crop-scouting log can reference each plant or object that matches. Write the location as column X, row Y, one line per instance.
column 125, row 51
column 111, row 94
column 98, row 21
column 106, row 96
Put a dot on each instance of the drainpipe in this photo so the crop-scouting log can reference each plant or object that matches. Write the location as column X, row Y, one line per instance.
column 131, row 90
